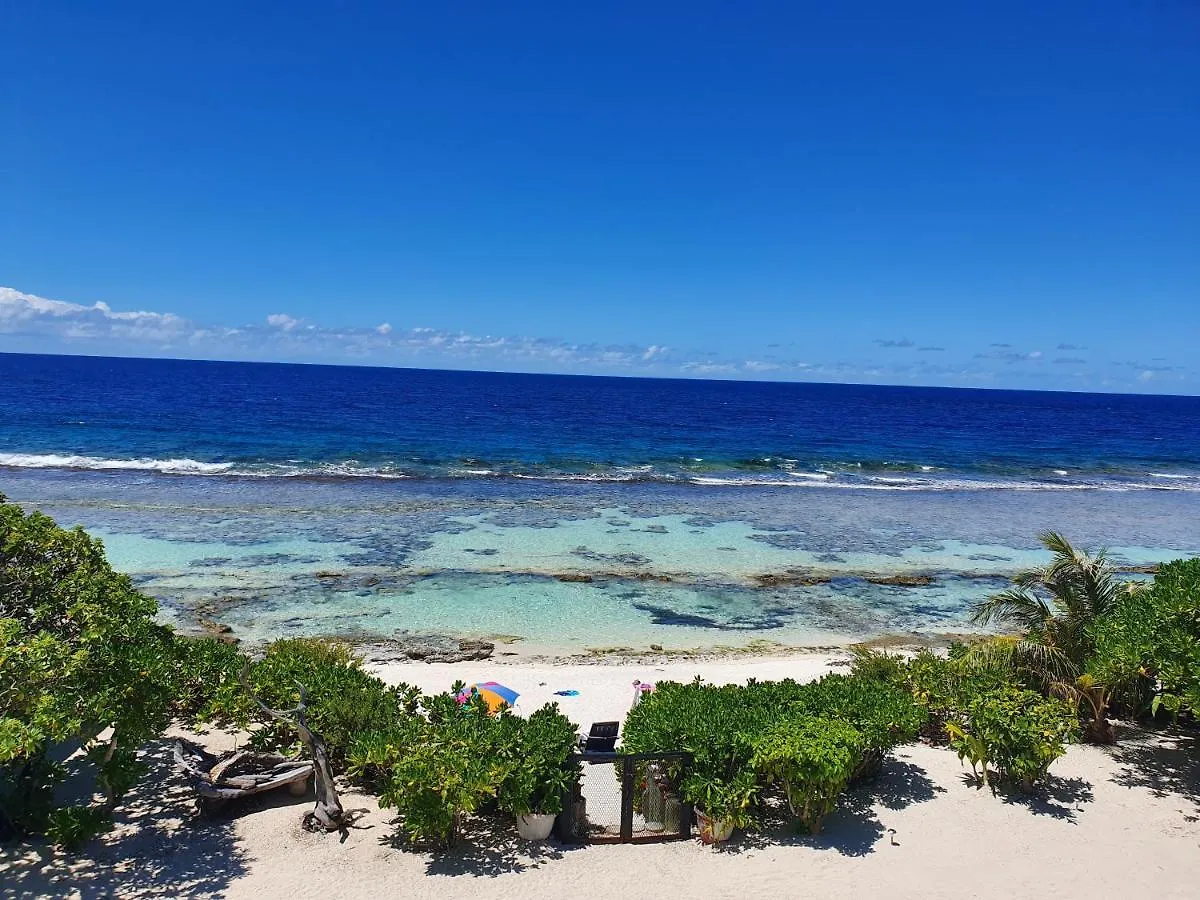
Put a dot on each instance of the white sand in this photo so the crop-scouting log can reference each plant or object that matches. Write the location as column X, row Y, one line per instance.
column 1118, row 822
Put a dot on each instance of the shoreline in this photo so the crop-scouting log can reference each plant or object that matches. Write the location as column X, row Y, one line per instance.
column 520, row 652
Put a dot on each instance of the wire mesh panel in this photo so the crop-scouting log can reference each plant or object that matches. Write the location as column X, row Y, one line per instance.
column 627, row 798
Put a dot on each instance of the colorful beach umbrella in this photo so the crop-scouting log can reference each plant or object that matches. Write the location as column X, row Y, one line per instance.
column 494, row 694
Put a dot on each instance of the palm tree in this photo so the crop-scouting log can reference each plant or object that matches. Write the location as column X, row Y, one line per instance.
column 1053, row 607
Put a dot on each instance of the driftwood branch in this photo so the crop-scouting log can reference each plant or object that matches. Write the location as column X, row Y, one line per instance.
column 328, row 814
column 252, row 773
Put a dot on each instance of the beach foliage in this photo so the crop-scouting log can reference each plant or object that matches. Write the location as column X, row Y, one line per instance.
column 447, row 773
column 1054, row 611
column 992, row 713
column 455, row 757
column 723, row 728
column 1148, row 645
column 206, row 678
column 539, row 749
column 1053, row 608
column 85, row 677
column 346, row 703
column 1014, row 733
column 813, row 759
column 883, row 714
column 727, row 799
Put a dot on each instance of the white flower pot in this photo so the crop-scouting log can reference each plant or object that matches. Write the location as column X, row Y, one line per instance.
column 535, row 826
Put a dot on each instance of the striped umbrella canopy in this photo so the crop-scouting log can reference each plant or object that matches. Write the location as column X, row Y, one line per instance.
column 494, row 694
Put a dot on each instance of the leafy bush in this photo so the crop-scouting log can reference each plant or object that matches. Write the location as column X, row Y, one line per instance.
column 879, row 665
column 83, row 664
column 346, row 704
column 206, row 681
column 447, row 771
column 717, row 725
column 813, row 759
column 538, row 750
column 884, row 714
column 721, row 727
column 1017, row 733
column 1147, row 648
column 453, row 759
column 728, row 798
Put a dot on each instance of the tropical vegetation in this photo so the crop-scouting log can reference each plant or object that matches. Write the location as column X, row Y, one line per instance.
column 809, row 740
column 88, row 676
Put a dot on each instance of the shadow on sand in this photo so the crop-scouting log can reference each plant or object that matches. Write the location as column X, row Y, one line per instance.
column 489, row 847
column 1163, row 762
column 1059, row 798
column 158, row 846
column 853, row 829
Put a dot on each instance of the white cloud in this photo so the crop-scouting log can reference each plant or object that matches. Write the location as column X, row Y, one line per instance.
column 29, row 322
column 29, row 314
column 282, row 321
column 284, row 336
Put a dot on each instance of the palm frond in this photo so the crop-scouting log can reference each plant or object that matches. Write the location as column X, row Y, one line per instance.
column 1057, row 544
column 1018, row 655
column 1017, row 607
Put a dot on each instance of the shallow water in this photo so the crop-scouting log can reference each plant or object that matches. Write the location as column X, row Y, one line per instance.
column 578, row 566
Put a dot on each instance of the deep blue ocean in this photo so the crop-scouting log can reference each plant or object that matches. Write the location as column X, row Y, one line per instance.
column 184, row 417
column 570, row 512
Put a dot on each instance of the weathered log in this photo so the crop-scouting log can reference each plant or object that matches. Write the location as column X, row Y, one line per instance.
column 328, row 814
column 212, row 781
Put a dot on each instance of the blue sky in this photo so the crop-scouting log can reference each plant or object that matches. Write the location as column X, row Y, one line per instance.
column 980, row 194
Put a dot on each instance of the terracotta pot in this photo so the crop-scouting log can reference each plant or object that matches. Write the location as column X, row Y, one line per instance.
column 713, row 831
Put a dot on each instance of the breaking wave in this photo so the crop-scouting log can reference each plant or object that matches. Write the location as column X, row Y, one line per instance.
column 853, row 476
column 65, row 461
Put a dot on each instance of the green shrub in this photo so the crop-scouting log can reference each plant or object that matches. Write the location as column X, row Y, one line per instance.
column 82, row 663
column 717, row 725
column 884, row 714
column 452, row 759
column 345, row 703
column 879, row 665
column 727, row 798
column 538, row 750
column 721, row 727
column 206, row 681
column 813, row 759
column 447, row 771
column 1017, row 733
column 1147, row 648
column 946, row 685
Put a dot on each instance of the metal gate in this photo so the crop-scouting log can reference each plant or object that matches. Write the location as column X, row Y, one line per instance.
column 627, row 798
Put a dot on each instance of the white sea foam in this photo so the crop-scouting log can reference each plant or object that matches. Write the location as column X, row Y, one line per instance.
column 821, row 479
column 166, row 466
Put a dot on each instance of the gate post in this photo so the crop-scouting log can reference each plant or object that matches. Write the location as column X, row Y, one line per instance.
column 627, row 774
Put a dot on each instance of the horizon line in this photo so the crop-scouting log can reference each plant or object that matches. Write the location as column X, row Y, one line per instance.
column 623, row 377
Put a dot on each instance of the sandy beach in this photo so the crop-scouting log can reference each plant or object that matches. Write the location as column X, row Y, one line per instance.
column 1113, row 822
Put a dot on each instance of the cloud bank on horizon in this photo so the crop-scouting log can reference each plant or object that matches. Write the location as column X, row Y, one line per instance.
column 30, row 323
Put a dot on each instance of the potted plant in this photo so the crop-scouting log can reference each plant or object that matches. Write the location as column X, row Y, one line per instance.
column 533, row 794
column 539, row 773
column 721, row 805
